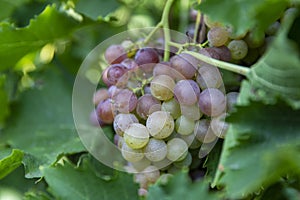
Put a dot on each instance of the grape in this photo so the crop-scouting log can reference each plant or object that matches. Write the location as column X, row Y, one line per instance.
column 209, row 52
column 100, row 95
column 131, row 155
column 160, row 124
column 162, row 87
column 212, row 102
column 129, row 64
column 94, row 119
column 122, row 122
column 223, row 52
column 113, row 90
column 124, row 101
column 192, row 112
column 184, row 125
column 141, row 164
column 187, row 138
column 186, row 92
column 172, row 106
column 105, row 79
column 115, row 54
column 273, row 28
column 219, row 126
column 141, row 179
column 151, row 173
column 155, row 150
column 210, row 23
column 142, row 192
column 115, row 72
column 186, row 162
column 209, row 77
column 163, row 164
column 146, row 59
column 136, row 136
column 203, row 131
column 217, row 36
column 255, row 39
column 146, row 105
column 104, row 111
column 185, row 64
column 253, row 55
column 231, row 99
column 238, row 49
column 165, row 68
column 177, row 149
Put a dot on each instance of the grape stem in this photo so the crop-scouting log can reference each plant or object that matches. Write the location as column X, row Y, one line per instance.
column 165, row 23
column 197, row 24
column 220, row 64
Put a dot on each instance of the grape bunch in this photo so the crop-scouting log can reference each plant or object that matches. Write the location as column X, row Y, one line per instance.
column 162, row 112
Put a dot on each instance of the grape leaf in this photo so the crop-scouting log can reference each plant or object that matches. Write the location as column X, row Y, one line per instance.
column 261, row 145
column 49, row 27
column 82, row 183
column 247, row 14
column 4, row 111
column 10, row 162
column 42, row 125
column 277, row 72
column 96, row 9
column 7, row 7
column 180, row 187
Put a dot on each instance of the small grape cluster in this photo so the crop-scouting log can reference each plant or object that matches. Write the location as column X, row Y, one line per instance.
column 161, row 111
column 245, row 48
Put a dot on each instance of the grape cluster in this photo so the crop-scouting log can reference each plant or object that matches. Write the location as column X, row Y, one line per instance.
column 162, row 112
column 244, row 48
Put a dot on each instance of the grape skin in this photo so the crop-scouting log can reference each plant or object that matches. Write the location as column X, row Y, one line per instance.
column 136, row 136
column 155, row 150
column 212, row 102
column 122, row 122
column 238, row 49
column 162, row 87
column 185, row 64
column 217, row 36
column 186, row 92
column 115, row 54
column 131, row 155
column 177, row 149
column 160, row 124
column 146, row 105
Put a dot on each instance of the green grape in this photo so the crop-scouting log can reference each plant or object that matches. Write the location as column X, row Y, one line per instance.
column 131, row 155
column 171, row 106
column 184, row 125
column 136, row 136
column 155, row 150
column 160, row 124
column 177, row 149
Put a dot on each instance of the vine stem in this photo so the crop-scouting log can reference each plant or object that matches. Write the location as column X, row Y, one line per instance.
column 158, row 26
column 220, row 64
column 165, row 24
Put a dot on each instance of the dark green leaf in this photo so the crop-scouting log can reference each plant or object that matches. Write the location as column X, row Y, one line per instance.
column 49, row 27
column 96, row 9
column 82, row 183
column 10, row 162
column 244, row 15
column 261, row 145
column 181, row 187
column 277, row 72
column 4, row 111
column 43, row 125
column 7, row 7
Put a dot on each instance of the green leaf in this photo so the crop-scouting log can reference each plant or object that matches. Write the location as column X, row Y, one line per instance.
column 82, row 183
column 10, row 162
column 49, row 27
column 277, row 72
column 43, row 125
column 181, row 187
column 4, row 111
column 261, row 145
column 7, row 7
column 244, row 15
column 96, row 9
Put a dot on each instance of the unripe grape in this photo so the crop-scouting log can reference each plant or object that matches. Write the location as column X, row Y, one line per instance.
column 162, row 87
column 177, row 149
column 136, row 136
column 122, row 122
column 172, row 106
column 131, row 155
column 155, row 150
column 160, row 124
column 184, row 125
column 238, row 49
column 217, row 36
